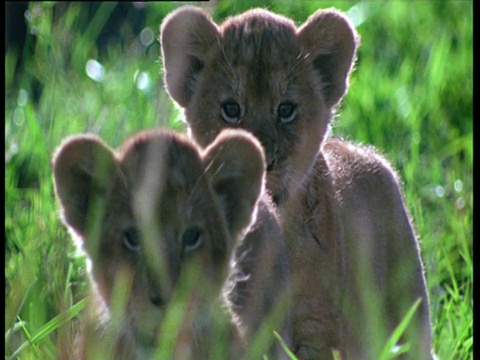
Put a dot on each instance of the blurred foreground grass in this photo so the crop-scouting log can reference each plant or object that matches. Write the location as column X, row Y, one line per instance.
column 411, row 96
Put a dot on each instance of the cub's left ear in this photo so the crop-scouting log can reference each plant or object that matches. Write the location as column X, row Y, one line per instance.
column 235, row 163
column 330, row 39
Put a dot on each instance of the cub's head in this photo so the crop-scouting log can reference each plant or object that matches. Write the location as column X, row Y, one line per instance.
column 160, row 212
column 259, row 72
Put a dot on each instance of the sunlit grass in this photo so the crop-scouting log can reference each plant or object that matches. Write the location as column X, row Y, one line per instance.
column 411, row 96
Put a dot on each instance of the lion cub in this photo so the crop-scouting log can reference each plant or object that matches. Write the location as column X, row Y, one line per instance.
column 163, row 217
column 354, row 255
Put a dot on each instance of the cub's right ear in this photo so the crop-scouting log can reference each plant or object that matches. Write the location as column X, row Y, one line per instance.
column 186, row 37
column 235, row 163
column 82, row 168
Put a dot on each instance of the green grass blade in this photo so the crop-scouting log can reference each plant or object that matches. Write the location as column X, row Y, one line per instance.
column 51, row 326
column 284, row 346
column 391, row 349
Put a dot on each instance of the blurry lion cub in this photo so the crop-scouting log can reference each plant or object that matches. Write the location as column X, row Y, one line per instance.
column 354, row 255
column 159, row 219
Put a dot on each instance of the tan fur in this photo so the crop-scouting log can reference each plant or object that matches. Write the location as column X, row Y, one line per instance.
column 343, row 213
column 135, row 210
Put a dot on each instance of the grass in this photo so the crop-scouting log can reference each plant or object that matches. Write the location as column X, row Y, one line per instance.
column 411, row 96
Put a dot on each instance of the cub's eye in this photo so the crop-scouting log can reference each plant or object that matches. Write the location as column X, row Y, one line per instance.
column 231, row 111
column 192, row 239
column 287, row 112
column 131, row 239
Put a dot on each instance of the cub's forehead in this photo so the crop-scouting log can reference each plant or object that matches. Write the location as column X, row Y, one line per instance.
column 259, row 36
column 163, row 158
column 260, row 54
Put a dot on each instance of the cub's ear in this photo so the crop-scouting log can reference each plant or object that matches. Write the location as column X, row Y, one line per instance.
column 82, row 168
column 186, row 37
column 235, row 163
column 331, row 41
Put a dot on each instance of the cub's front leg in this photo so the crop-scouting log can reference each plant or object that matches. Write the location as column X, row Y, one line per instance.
column 314, row 236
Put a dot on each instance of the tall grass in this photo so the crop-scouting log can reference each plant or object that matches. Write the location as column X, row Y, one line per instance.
column 410, row 96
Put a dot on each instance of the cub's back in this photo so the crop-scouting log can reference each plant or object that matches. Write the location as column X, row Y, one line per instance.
column 380, row 248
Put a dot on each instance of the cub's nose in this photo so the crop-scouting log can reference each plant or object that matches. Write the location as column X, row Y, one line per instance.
column 156, row 300
column 157, row 292
column 155, row 296
column 270, row 163
column 272, row 156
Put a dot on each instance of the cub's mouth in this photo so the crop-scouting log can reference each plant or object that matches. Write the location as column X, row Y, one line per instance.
column 147, row 340
column 146, row 329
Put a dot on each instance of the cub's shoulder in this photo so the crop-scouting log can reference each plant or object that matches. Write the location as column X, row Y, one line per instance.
column 352, row 163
